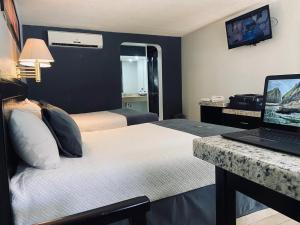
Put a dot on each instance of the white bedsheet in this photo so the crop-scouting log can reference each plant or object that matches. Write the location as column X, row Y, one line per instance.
column 102, row 120
column 118, row 164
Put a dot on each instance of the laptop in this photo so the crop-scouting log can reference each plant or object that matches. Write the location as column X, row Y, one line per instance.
column 280, row 120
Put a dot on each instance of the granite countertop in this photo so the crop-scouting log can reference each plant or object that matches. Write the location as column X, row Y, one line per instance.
column 226, row 110
column 277, row 171
column 214, row 104
column 239, row 112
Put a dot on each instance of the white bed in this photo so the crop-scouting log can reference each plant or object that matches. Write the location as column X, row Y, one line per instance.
column 116, row 118
column 118, row 164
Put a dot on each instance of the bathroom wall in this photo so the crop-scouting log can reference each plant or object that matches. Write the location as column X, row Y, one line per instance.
column 134, row 75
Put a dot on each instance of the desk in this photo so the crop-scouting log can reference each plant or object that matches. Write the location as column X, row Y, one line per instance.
column 269, row 177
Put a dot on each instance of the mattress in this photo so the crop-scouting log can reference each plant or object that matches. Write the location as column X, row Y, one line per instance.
column 118, row 164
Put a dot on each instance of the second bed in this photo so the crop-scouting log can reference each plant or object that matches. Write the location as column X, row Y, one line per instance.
column 112, row 119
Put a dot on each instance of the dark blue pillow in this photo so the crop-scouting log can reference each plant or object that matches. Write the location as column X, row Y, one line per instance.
column 64, row 130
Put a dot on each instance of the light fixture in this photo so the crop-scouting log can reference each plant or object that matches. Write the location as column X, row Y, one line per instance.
column 34, row 56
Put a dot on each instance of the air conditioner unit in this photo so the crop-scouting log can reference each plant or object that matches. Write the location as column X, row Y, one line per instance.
column 72, row 39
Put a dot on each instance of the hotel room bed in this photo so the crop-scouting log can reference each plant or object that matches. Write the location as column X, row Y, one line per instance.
column 117, row 118
column 155, row 160
column 159, row 163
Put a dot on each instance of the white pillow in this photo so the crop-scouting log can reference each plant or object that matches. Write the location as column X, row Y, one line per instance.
column 29, row 106
column 33, row 141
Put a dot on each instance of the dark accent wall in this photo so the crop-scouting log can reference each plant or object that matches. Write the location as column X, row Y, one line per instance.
column 133, row 50
column 86, row 80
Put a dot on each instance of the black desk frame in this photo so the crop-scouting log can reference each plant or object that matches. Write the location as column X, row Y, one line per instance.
column 226, row 186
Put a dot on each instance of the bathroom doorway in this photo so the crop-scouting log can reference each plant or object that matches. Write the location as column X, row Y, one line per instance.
column 141, row 77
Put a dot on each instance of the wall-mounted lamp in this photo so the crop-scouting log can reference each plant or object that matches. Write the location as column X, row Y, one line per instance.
column 34, row 56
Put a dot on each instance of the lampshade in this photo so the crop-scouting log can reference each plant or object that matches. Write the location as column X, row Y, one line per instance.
column 35, row 50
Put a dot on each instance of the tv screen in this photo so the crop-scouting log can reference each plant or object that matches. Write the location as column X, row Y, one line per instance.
column 250, row 28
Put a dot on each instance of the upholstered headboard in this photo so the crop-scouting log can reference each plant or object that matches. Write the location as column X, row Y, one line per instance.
column 11, row 92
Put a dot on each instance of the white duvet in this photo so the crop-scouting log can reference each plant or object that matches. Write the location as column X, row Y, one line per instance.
column 102, row 120
column 118, row 164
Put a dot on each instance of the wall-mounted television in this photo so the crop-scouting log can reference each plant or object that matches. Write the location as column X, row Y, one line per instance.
column 250, row 28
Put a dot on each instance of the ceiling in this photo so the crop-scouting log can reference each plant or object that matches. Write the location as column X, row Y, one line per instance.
column 159, row 17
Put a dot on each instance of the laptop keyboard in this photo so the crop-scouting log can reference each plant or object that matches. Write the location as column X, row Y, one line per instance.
column 275, row 135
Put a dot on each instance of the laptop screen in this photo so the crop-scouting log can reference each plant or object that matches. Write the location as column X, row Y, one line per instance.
column 282, row 102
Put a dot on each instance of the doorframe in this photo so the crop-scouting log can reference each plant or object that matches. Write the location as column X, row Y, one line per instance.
column 160, row 73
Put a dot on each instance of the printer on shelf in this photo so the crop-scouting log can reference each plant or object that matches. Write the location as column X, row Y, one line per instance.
column 252, row 102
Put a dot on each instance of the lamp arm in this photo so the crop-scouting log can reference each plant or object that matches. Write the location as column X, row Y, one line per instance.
column 37, row 71
column 30, row 72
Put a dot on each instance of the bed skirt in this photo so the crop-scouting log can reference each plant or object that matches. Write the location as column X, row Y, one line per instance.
column 197, row 207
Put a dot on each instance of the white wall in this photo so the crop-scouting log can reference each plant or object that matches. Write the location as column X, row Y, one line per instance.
column 134, row 74
column 8, row 51
column 130, row 77
column 209, row 68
